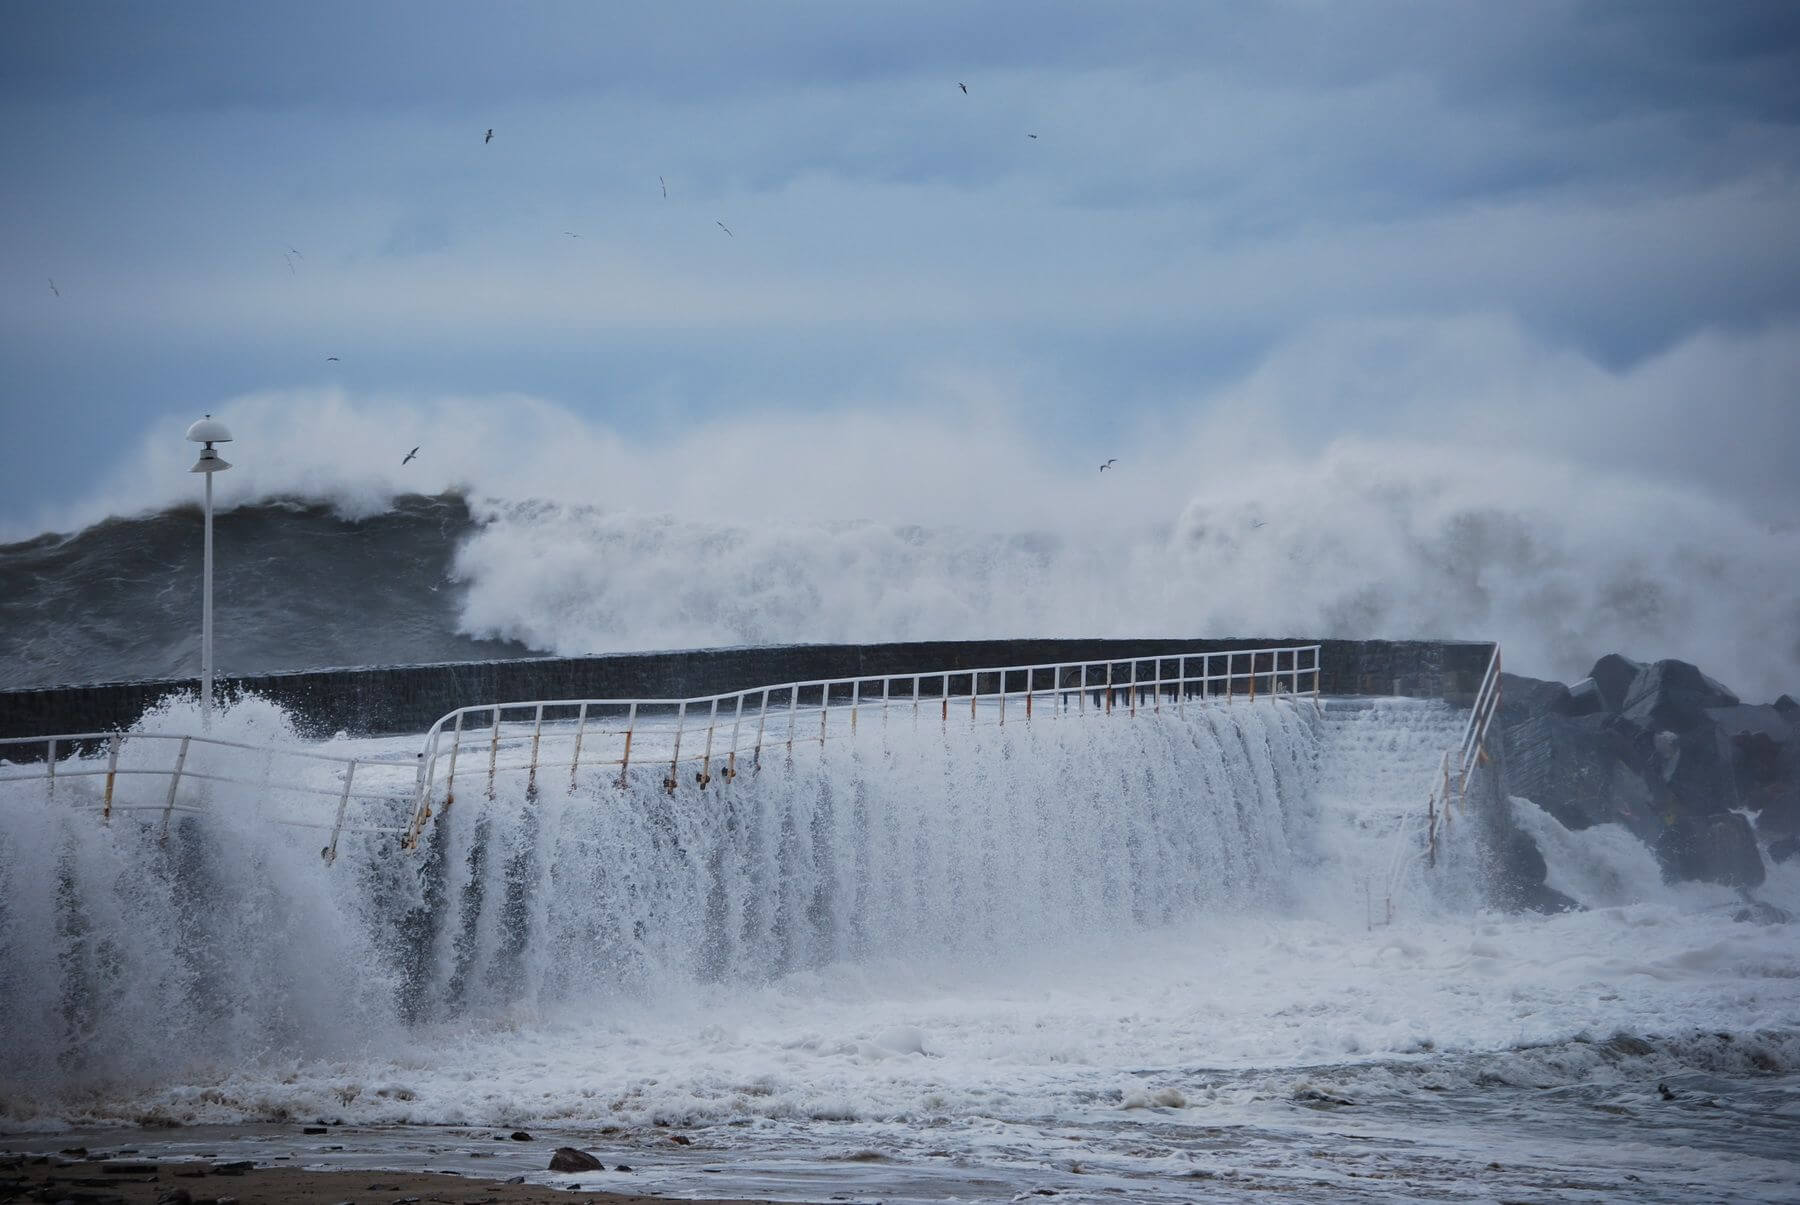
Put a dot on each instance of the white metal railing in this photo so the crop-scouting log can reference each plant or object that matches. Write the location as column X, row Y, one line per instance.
column 1450, row 783
column 118, row 772
column 710, row 734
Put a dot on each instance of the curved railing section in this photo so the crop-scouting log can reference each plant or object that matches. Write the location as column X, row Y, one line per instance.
column 172, row 773
column 714, row 736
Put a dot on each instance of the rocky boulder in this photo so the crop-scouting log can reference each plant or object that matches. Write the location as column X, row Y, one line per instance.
column 1673, row 696
column 1765, row 756
column 1583, row 770
column 1612, row 677
column 569, row 1159
column 1711, row 849
column 1584, row 698
column 1524, row 697
column 1663, row 750
column 1519, row 878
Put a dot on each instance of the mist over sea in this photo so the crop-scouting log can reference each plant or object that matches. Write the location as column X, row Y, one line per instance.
column 523, row 529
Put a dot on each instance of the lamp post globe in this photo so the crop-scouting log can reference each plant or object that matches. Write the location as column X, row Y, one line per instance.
column 207, row 431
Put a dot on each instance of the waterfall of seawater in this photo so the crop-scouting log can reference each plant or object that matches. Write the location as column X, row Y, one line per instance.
column 126, row 956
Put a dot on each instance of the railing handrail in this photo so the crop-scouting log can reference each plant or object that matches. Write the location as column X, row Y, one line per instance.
column 1274, row 671
column 114, row 742
column 921, row 675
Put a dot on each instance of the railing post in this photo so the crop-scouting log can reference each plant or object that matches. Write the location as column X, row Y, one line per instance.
column 493, row 748
column 580, row 731
column 625, row 759
column 1109, row 687
column 855, row 699
column 945, row 718
column 449, row 779
column 737, row 720
column 112, row 769
column 762, row 718
column 1030, row 681
column 537, row 734
column 704, row 777
column 329, row 853
column 1002, row 698
column 174, row 784
column 793, row 716
column 824, row 706
column 1181, row 687
column 1081, row 695
column 1133, row 688
column 1253, row 675
column 50, row 771
column 675, row 757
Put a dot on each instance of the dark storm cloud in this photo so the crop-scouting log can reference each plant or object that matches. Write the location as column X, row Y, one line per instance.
column 1210, row 182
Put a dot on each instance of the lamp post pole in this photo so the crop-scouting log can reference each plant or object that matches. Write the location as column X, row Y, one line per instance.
column 208, row 431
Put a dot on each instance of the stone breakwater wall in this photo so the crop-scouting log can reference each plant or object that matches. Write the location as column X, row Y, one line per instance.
column 401, row 699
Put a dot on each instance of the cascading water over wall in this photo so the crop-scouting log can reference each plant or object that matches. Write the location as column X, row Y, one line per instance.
column 128, row 957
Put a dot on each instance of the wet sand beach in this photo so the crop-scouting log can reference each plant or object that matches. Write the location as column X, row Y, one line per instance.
column 133, row 1182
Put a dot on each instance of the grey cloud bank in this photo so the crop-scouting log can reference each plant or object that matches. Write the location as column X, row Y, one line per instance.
column 1566, row 227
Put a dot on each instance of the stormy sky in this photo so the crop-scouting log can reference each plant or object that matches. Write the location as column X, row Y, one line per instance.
column 1556, row 227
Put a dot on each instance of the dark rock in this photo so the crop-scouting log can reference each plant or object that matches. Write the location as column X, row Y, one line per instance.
column 235, row 1168
column 1673, row 695
column 1519, row 879
column 520, row 1136
column 1584, row 698
column 1697, row 767
column 1521, row 698
column 1784, row 848
column 1788, row 708
column 176, row 1196
column 681, row 1140
column 622, row 1168
column 1760, row 913
column 514, row 1180
column 1612, row 677
column 314, row 1130
column 1583, row 771
column 568, row 1159
column 1711, row 849
column 1625, row 1043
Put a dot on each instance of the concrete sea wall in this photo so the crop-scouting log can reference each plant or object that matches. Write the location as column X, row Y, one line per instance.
column 399, row 699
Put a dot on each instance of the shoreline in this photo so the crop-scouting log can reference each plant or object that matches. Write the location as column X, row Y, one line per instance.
column 26, row 1177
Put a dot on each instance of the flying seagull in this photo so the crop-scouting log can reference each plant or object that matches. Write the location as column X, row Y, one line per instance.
column 1260, row 523
column 964, row 87
column 1109, row 464
column 328, row 359
column 1031, row 135
column 296, row 252
column 489, row 138
column 53, row 287
column 571, row 234
column 724, row 227
column 410, row 455
column 665, row 187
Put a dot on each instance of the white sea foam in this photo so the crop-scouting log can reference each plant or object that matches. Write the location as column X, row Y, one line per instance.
column 851, row 527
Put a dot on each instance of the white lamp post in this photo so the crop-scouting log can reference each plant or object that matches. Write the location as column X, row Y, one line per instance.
column 208, row 431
